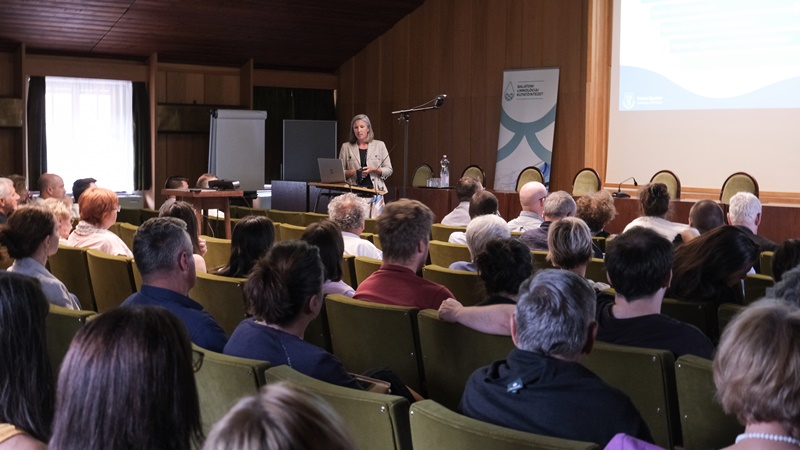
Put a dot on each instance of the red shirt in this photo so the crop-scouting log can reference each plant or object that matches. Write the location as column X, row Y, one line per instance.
column 397, row 285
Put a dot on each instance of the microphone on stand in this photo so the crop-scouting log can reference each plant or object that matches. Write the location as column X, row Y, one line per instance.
column 440, row 100
column 619, row 193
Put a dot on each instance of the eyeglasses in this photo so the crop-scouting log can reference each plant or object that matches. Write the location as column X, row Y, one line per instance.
column 197, row 360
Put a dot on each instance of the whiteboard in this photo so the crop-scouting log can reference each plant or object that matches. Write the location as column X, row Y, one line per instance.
column 236, row 147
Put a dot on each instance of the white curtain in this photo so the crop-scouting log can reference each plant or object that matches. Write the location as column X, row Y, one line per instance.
column 90, row 131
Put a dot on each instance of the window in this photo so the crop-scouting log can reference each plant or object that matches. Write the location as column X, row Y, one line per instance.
column 90, row 131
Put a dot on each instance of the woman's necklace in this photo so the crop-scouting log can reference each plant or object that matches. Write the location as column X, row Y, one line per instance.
column 768, row 437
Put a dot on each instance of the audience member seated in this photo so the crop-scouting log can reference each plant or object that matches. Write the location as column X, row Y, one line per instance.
column 405, row 230
column 480, row 231
column 542, row 387
column 327, row 236
column 20, row 186
column 465, row 189
column 282, row 416
column 711, row 267
column 8, row 199
column 503, row 265
column 173, row 182
column 785, row 258
column 531, row 199
column 99, row 208
column 163, row 253
column 349, row 212
column 127, row 382
column 557, row 206
column 570, row 247
column 202, row 181
column 51, row 186
column 283, row 295
column 78, row 188
column 63, row 213
column 31, row 236
column 706, row 215
column 788, row 289
column 756, row 372
column 744, row 212
column 26, row 381
column 184, row 211
column 597, row 210
column 639, row 266
column 481, row 204
column 252, row 238
column 654, row 199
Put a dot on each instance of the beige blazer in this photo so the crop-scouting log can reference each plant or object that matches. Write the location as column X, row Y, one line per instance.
column 377, row 156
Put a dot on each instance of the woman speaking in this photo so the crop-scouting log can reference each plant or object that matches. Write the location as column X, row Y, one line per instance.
column 366, row 160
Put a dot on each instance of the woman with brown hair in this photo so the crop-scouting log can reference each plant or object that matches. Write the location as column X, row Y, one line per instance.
column 99, row 208
column 184, row 211
column 654, row 199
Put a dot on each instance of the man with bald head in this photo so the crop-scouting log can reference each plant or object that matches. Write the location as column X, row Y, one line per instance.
column 706, row 215
column 531, row 198
column 51, row 186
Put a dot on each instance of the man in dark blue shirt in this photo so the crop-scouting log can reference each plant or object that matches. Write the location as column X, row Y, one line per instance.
column 163, row 253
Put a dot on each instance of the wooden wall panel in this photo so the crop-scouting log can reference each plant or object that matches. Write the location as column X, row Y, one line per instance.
column 7, row 74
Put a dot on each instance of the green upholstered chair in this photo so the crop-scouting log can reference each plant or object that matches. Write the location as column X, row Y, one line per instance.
column 349, row 270
column 112, row 278
column 371, row 225
column 540, row 260
column 291, row 231
column 586, row 181
column 434, row 427
column 216, row 226
column 600, row 242
column 648, row 377
column 312, row 217
column 132, row 216
column 444, row 253
column 222, row 297
column 219, row 252
column 369, row 335
column 70, row 266
column 703, row 315
column 137, row 276
column 376, row 421
column 474, row 171
column 465, row 286
column 703, row 423
column 421, row 176
column 147, row 213
column 755, row 286
column 318, row 332
column 222, row 380
column 114, row 228
column 442, row 233
column 366, row 266
column 368, row 237
column 62, row 324
column 737, row 182
column 765, row 261
column 244, row 211
column 596, row 270
column 290, row 217
column 376, row 241
column 451, row 352
column 671, row 180
column 529, row 174
column 726, row 312
column 126, row 233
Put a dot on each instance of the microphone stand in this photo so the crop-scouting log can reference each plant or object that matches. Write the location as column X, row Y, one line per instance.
column 405, row 116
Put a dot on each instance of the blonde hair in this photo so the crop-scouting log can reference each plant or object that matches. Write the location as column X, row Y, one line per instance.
column 58, row 207
column 569, row 243
column 757, row 367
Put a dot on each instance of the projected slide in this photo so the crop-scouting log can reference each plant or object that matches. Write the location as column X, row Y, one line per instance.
column 709, row 54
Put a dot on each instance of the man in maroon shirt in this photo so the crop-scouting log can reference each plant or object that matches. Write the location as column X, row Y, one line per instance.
column 405, row 228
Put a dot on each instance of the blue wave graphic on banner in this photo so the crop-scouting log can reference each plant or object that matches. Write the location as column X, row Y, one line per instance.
column 527, row 131
column 645, row 90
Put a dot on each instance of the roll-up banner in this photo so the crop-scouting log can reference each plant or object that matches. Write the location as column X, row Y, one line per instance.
column 527, row 124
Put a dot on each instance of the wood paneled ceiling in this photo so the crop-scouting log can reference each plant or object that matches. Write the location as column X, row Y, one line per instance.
column 313, row 35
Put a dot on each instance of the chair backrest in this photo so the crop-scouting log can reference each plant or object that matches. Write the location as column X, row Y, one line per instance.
column 365, row 266
column 738, row 182
column 222, row 380
column 700, row 314
column 147, row 213
column 434, row 427
column 312, row 217
column 376, row 421
column 451, row 352
column 444, row 253
column 465, row 286
column 528, row 174
column 126, row 233
column 726, row 312
column 137, row 276
column 540, row 260
column 765, row 262
column 349, row 270
column 422, row 175
column 244, row 211
column 112, row 279
column 647, row 376
column 369, row 335
column 219, row 252
column 442, row 233
column 69, row 265
column 62, row 324
column 222, row 297
column 216, row 225
column 703, row 423
column 596, row 270
column 755, row 286
column 672, row 181
column 474, row 171
column 600, row 242
column 586, row 181
column 371, row 225
column 132, row 216
column 289, row 231
column 290, row 217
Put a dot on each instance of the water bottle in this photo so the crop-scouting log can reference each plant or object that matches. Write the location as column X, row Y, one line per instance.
column 444, row 174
